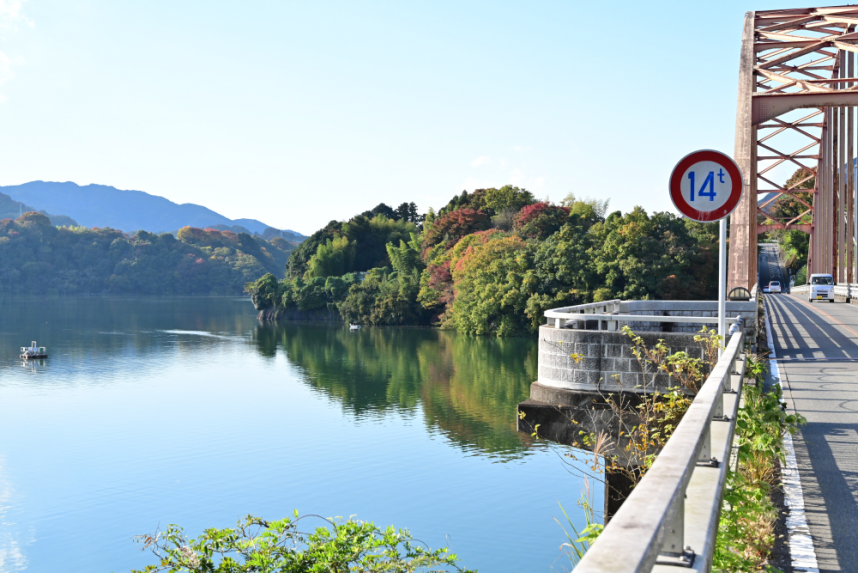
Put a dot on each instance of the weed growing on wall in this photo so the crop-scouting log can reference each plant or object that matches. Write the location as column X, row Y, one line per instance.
column 647, row 420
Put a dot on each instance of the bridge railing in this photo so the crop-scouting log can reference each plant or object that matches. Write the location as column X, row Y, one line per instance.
column 608, row 313
column 842, row 289
column 671, row 517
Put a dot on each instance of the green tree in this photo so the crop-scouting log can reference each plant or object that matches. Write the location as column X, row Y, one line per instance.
column 371, row 237
column 334, row 258
column 296, row 266
column 490, row 201
column 405, row 258
column 639, row 257
column 562, row 273
column 488, row 280
column 383, row 298
column 265, row 292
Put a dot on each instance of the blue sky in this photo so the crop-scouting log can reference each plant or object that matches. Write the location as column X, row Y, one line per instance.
column 297, row 113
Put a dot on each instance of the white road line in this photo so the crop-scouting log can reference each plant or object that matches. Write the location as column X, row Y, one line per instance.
column 802, row 553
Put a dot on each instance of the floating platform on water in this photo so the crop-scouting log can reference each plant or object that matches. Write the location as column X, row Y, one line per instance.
column 33, row 352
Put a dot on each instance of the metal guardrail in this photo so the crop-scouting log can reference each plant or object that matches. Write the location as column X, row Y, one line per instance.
column 847, row 290
column 607, row 306
column 671, row 517
column 609, row 319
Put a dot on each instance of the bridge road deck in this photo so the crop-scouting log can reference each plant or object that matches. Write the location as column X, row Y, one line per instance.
column 826, row 393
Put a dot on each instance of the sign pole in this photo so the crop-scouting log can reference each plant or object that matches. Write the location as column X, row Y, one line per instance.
column 722, row 283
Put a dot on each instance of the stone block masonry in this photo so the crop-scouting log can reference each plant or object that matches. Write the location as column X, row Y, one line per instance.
column 605, row 361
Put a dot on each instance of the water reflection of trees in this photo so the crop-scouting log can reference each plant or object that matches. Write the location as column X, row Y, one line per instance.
column 467, row 387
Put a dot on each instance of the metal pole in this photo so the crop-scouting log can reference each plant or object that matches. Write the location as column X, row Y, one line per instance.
column 852, row 272
column 722, row 282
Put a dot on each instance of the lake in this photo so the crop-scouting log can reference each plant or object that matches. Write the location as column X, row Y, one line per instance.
column 188, row 411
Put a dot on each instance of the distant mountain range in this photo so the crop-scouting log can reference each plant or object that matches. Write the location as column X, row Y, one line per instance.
column 129, row 211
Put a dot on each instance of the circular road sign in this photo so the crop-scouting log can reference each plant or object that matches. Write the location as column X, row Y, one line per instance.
column 706, row 185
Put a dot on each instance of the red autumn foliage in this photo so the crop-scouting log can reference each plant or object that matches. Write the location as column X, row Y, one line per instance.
column 441, row 281
column 530, row 212
column 540, row 220
column 453, row 226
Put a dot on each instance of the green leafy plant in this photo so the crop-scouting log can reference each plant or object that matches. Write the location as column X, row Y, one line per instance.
column 259, row 546
column 746, row 528
column 578, row 542
column 646, row 425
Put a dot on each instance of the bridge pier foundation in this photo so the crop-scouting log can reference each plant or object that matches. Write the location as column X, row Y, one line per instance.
column 566, row 416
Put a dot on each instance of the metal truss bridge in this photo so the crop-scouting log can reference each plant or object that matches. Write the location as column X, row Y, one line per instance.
column 797, row 94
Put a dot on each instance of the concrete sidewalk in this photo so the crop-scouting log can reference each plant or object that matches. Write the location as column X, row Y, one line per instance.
column 826, row 393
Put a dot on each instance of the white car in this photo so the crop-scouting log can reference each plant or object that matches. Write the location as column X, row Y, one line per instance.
column 775, row 286
column 821, row 288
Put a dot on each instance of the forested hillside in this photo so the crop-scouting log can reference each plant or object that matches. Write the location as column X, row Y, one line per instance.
column 106, row 206
column 9, row 208
column 39, row 258
column 490, row 262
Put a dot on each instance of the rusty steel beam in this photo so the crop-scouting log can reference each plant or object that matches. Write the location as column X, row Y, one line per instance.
column 803, row 228
column 768, row 106
column 850, row 180
column 742, row 267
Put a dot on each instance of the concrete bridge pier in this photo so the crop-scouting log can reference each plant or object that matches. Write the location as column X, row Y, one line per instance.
column 588, row 376
column 566, row 416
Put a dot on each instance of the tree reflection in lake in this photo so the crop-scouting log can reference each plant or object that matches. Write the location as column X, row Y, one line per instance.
column 467, row 387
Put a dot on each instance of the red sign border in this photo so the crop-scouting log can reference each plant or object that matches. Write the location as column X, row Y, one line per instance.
column 724, row 161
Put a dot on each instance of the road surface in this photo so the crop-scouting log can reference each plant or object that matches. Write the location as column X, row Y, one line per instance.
column 826, row 393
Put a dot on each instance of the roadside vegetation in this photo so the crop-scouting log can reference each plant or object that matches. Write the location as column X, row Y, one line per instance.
column 38, row 258
column 746, row 531
column 490, row 262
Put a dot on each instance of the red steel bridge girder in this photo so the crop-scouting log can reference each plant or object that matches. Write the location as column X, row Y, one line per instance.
column 798, row 59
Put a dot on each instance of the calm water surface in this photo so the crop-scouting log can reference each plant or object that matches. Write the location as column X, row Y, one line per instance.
column 188, row 411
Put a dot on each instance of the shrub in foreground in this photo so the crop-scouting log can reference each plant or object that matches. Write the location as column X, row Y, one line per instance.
column 260, row 546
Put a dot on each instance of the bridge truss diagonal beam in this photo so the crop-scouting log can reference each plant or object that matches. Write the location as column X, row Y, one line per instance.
column 792, row 60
